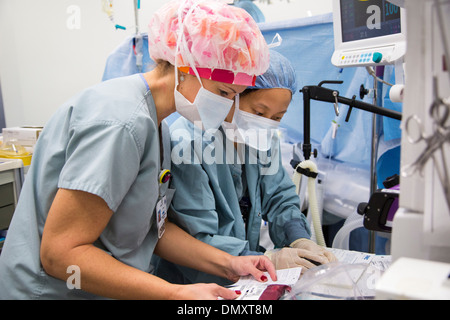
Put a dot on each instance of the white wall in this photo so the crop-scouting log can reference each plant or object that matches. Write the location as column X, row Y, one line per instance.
column 52, row 49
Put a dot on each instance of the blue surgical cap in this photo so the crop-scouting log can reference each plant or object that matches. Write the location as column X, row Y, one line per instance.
column 280, row 74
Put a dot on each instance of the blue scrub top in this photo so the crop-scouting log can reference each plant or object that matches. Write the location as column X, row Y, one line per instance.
column 104, row 141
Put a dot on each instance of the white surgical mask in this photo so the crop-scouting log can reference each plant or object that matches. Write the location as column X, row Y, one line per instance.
column 212, row 108
column 185, row 108
column 255, row 131
column 208, row 109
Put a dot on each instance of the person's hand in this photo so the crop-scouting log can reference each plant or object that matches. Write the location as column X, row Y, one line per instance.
column 204, row 291
column 293, row 258
column 317, row 253
column 251, row 265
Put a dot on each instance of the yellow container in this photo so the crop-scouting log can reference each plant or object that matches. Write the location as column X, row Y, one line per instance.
column 13, row 150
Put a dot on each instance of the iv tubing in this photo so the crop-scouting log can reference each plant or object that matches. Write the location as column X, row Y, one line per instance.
column 309, row 164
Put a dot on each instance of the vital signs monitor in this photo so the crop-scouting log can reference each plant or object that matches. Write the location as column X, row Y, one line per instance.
column 368, row 33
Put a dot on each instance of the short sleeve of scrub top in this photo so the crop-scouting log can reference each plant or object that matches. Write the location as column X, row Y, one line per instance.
column 102, row 146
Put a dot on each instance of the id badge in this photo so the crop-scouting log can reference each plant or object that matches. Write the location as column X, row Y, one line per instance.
column 161, row 215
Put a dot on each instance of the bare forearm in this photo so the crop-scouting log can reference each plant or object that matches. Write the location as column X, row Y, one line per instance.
column 103, row 275
column 181, row 248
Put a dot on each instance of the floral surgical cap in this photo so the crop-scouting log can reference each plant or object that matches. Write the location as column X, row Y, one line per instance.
column 222, row 42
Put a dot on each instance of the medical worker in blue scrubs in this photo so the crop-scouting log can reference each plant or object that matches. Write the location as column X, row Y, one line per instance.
column 223, row 200
column 91, row 211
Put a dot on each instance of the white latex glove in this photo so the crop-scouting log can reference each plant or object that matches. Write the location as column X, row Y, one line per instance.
column 318, row 253
column 292, row 258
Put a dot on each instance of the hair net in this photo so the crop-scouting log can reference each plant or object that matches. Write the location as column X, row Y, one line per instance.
column 222, row 42
column 281, row 74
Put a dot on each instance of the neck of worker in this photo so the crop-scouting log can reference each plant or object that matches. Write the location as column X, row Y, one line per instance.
column 162, row 88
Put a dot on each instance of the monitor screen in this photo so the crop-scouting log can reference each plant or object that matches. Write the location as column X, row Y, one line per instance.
column 368, row 33
column 368, row 19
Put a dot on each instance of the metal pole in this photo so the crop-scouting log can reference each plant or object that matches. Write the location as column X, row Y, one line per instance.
column 373, row 161
column 137, row 5
column 306, row 123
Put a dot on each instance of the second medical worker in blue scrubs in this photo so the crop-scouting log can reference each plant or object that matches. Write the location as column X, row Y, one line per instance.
column 91, row 211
